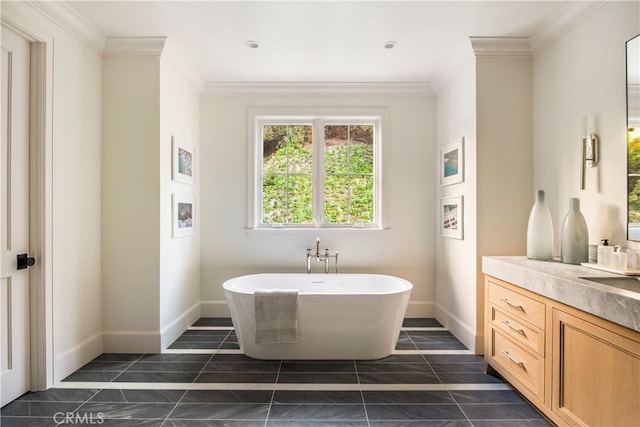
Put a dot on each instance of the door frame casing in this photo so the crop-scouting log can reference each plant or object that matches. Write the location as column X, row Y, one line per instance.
column 40, row 193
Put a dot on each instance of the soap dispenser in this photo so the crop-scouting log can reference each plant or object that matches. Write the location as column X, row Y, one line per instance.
column 619, row 259
column 605, row 253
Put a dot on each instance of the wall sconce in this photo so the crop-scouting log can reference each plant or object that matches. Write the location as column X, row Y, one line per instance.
column 590, row 150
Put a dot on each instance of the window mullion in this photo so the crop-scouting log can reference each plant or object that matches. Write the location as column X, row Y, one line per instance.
column 318, row 172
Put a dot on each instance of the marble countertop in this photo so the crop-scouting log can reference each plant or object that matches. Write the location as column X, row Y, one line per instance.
column 563, row 283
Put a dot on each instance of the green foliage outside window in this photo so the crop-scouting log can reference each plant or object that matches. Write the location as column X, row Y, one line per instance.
column 287, row 191
column 634, row 181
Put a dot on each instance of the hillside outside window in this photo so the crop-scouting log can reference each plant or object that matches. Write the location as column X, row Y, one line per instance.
column 316, row 172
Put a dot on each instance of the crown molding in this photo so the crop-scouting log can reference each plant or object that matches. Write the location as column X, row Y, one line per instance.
column 174, row 56
column 501, row 46
column 62, row 15
column 564, row 21
column 223, row 88
column 134, row 46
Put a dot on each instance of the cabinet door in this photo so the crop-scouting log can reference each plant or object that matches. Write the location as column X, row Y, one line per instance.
column 596, row 374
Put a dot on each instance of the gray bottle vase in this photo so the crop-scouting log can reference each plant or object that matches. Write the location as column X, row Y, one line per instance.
column 574, row 243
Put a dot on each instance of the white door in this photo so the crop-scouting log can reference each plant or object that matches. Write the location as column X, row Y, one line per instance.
column 14, row 207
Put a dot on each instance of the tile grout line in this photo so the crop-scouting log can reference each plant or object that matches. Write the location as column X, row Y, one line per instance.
column 432, row 370
column 459, row 407
column 273, row 394
column 364, row 405
column 289, row 386
column 204, row 366
column 79, row 407
column 174, row 408
column 128, row 366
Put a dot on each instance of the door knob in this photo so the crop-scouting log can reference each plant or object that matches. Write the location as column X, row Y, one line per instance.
column 25, row 261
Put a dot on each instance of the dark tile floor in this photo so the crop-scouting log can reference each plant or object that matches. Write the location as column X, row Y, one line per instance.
column 238, row 368
column 248, row 408
column 275, row 407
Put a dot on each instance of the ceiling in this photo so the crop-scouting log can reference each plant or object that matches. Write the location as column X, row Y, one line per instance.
column 320, row 41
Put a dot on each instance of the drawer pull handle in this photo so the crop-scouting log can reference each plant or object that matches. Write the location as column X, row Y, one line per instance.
column 514, row 360
column 518, row 330
column 510, row 304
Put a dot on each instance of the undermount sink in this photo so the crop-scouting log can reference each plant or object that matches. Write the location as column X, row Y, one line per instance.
column 628, row 283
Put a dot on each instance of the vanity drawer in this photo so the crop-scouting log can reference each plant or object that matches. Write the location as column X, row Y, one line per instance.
column 517, row 305
column 522, row 332
column 517, row 363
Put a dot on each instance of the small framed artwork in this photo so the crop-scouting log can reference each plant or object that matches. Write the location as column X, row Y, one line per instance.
column 184, row 160
column 183, row 215
column 451, row 217
column 452, row 162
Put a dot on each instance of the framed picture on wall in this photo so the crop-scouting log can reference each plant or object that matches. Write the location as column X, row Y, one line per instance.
column 451, row 217
column 184, row 161
column 183, row 215
column 452, row 162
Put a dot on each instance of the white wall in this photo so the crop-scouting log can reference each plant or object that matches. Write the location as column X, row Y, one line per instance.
column 583, row 74
column 151, row 281
column 131, row 203
column 179, row 258
column 505, row 171
column 77, row 299
column 228, row 249
column 487, row 100
column 456, row 261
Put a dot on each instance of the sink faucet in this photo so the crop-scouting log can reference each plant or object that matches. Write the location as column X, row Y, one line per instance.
column 321, row 257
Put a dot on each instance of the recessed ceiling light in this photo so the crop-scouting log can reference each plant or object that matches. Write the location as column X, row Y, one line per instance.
column 253, row 44
column 390, row 44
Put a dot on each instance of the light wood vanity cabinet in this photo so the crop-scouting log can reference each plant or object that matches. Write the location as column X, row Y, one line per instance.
column 578, row 369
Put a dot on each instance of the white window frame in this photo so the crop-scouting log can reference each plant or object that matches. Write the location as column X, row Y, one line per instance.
column 318, row 118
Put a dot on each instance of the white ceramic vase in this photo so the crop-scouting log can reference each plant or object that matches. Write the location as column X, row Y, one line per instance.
column 540, row 231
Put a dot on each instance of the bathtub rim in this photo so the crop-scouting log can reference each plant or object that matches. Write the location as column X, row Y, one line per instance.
column 406, row 285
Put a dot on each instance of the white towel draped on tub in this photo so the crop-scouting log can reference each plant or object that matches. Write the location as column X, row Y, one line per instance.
column 276, row 313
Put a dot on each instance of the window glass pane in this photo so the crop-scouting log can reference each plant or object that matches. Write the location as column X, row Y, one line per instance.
column 274, row 199
column 274, row 149
column 336, row 149
column 286, row 149
column 348, row 174
column 360, row 149
column 287, row 174
column 336, row 199
column 347, row 178
column 300, row 149
column 633, row 182
column 300, row 204
column 287, row 199
column 361, row 206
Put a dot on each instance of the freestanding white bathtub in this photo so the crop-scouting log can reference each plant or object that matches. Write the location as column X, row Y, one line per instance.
column 340, row 316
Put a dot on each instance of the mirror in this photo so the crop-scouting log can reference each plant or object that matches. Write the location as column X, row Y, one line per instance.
column 633, row 138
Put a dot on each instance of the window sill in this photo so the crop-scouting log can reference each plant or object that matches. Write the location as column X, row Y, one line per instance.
column 317, row 229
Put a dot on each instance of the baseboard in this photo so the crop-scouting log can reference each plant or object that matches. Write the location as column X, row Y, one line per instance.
column 214, row 309
column 420, row 309
column 132, row 342
column 173, row 330
column 457, row 327
column 77, row 356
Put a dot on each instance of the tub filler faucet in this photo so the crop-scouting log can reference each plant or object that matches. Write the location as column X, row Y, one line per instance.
column 325, row 257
